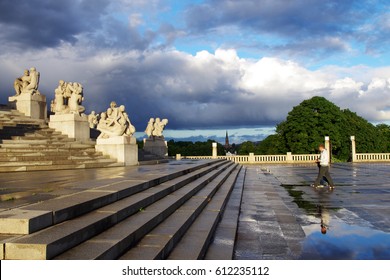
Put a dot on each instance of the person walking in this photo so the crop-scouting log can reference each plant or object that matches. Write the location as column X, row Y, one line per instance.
column 323, row 171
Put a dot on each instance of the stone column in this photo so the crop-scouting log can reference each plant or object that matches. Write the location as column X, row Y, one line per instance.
column 33, row 106
column 215, row 154
column 327, row 147
column 353, row 148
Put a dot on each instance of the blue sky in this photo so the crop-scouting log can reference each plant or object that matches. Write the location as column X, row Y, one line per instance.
column 207, row 65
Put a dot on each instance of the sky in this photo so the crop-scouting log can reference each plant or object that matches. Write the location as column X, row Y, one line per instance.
column 206, row 65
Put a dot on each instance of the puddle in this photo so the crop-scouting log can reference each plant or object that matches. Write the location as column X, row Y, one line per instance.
column 344, row 241
column 336, row 233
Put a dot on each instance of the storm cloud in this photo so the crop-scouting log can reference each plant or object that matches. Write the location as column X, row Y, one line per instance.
column 207, row 90
column 216, row 64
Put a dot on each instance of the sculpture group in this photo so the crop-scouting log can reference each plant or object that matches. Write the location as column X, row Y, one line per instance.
column 68, row 98
column 155, row 127
column 115, row 122
column 116, row 129
column 28, row 83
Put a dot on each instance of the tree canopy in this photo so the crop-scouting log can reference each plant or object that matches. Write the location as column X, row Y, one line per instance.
column 309, row 122
column 304, row 129
column 188, row 148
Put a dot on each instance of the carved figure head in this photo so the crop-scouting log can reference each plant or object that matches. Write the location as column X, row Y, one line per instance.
column 113, row 104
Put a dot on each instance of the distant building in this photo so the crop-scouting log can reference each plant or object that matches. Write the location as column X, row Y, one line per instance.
column 227, row 145
column 229, row 149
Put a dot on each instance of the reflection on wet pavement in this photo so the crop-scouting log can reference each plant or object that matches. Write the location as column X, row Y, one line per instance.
column 282, row 217
column 346, row 241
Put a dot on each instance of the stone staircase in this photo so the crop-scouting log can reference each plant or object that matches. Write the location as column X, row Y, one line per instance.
column 30, row 145
column 174, row 215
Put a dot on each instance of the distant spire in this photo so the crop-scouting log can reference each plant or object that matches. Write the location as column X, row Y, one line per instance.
column 227, row 145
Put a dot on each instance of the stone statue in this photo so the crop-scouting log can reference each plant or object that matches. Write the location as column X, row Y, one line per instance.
column 115, row 122
column 68, row 98
column 28, row 83
column 150, row 127
column 22, row 82
column 74, row 101
column 156, row 127
column 93, row 119
column 159, row 127
column 59, row 105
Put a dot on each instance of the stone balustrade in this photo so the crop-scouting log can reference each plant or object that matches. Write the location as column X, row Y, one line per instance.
column 258, row 159
column 290, row 158
column 372, row 157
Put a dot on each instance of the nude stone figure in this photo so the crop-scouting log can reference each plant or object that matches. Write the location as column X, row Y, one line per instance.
column 68, row 98
column 150, row 127
column 22, row 82
column 28, row 83
column 115, row 122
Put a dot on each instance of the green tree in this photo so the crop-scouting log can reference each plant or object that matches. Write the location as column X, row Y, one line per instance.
column 308, row 123
column 369, row 139
column 272, row 145
column 188, row 148
column 246, row 148
column 384, row 130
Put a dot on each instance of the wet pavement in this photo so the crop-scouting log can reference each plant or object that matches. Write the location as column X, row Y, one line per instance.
column 282, row 217
column 22, row 188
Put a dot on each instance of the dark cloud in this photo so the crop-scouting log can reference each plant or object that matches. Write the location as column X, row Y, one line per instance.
column 296, row 19
column 295, row 28
column 118, row 36
column 205, row 91
column 46, row 23
column 124, row 55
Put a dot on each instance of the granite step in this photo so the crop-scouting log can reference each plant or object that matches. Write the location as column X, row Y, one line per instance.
column 222, row 245
column 43, row 145
column 44, row 161
column 48, row 137
column 50, row 242
column 30, row 145
column 159, row 242
column 35, row 141
column 52, row 167
column 48, row 151
column 195, row 242
column 68, row 207
column 116, row 240
column 12, row 158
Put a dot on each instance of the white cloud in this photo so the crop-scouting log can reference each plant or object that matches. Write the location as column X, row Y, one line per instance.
column 206, row 90
column 135, row 20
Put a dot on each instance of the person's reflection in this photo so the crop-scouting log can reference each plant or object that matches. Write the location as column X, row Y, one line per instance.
column 324, row 215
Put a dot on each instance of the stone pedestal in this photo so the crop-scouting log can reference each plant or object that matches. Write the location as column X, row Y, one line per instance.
column 122, row 148
column 73, row 125
column 156, row 146
column 33, row 106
